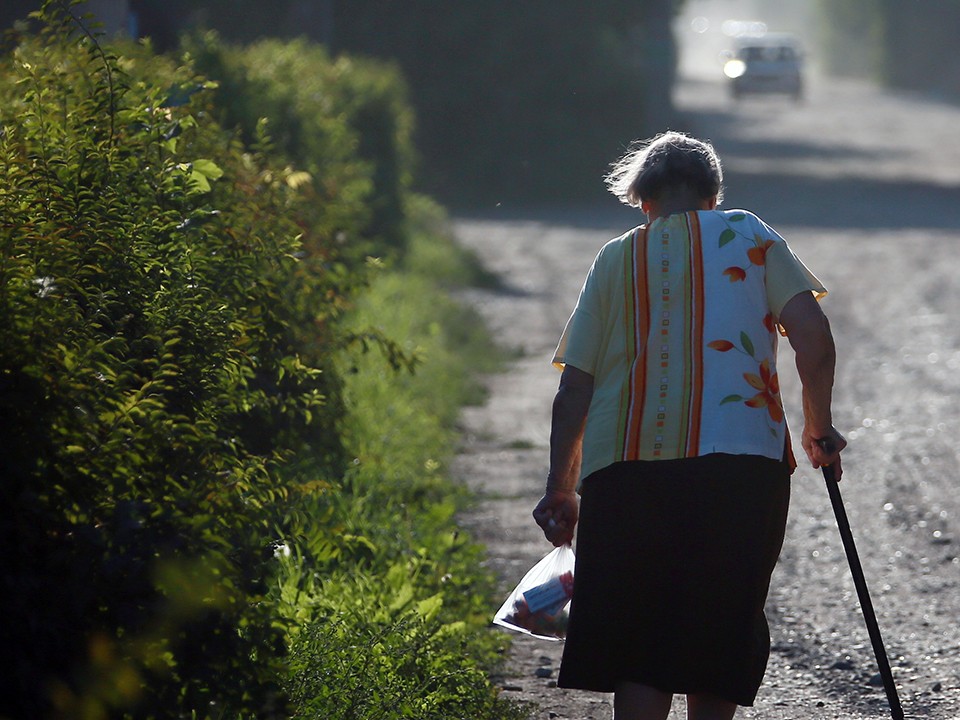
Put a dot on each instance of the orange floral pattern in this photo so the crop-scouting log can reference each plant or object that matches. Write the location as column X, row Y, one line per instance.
column 735, row 273
column 765, row 381
column 758, row 254
column 768, row 396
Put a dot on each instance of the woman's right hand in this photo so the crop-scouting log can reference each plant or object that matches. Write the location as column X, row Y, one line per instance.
column 823, row 448
column 557, row 514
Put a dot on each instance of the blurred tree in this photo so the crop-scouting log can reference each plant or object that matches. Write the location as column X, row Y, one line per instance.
column 12, row 11
column 515, row 101
column 520, row 101
column 851, row 34
column 902, row 45
column 237, row 20
column 919, row 45
column 113, row 14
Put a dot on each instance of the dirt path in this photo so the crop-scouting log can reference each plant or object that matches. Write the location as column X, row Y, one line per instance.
column 866, row 187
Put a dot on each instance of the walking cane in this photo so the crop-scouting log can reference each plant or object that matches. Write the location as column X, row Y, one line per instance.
column 869, row 616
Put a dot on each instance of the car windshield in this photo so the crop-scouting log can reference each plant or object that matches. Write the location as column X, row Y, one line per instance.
column 771, row 53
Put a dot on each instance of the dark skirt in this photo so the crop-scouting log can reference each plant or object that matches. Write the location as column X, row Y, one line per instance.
column 674, row 559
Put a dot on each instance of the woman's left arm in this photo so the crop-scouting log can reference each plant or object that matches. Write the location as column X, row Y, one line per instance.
column 558, row 509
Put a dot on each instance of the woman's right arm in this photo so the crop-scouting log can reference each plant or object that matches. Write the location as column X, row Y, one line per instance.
column 558, row 509
column 809, row 333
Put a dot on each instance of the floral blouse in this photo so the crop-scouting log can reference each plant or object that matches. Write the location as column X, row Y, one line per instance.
column 677, row 322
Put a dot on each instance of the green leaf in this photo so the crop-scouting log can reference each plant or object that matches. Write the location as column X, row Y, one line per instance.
column 747, row 343
column 731, row 398
column 428, row 609
column 726, row 236
column 457, row 627
column 359, row 541
column 402, row 598
column 199, row 181
column 208, row 168
column 737, row 217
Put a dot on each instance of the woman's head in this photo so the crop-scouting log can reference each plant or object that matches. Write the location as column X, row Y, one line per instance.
column 669, row 163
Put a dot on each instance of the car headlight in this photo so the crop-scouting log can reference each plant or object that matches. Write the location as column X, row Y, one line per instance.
column 734, row 68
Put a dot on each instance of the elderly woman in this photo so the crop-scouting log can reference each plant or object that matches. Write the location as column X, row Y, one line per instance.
column 669, row 443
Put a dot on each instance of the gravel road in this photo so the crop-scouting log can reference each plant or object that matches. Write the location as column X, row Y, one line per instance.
column 866, row 188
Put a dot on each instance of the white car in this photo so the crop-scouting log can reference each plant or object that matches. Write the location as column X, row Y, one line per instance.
column 768, row 63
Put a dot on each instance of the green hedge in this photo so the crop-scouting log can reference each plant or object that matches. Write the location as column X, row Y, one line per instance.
column 200, row 509
column 347, row 121
column 154, row 379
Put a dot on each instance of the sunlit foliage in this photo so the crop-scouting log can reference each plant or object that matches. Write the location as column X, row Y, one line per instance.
column 172, row 353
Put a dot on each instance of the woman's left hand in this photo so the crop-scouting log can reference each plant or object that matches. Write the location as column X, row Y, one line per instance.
column 557, row 514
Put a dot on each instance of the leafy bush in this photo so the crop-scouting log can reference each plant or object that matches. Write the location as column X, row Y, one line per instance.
column 155, row 374
column 412, row 665
column 346, row 121
column 182, row 384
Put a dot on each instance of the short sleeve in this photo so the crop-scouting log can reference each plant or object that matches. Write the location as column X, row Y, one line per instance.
column 580, row 342
column 787, row 276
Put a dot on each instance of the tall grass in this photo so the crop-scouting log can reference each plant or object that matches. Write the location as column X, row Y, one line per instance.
column 398, row 625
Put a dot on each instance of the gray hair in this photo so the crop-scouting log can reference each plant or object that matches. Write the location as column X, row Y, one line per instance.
column 669, row 160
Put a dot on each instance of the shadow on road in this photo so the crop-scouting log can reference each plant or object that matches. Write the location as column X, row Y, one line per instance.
column 817, row 165
column 845, row 202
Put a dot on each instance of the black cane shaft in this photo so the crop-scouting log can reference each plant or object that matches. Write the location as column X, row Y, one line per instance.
column 860, row 582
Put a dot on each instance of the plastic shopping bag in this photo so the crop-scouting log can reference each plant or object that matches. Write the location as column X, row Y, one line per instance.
column 540, row 604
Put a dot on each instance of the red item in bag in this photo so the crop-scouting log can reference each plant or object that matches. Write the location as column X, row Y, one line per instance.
column 540, row 604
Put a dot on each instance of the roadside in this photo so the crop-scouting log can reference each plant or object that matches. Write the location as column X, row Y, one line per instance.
column 868, row 200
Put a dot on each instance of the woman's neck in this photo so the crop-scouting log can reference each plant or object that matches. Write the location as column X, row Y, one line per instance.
column 671, row 204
